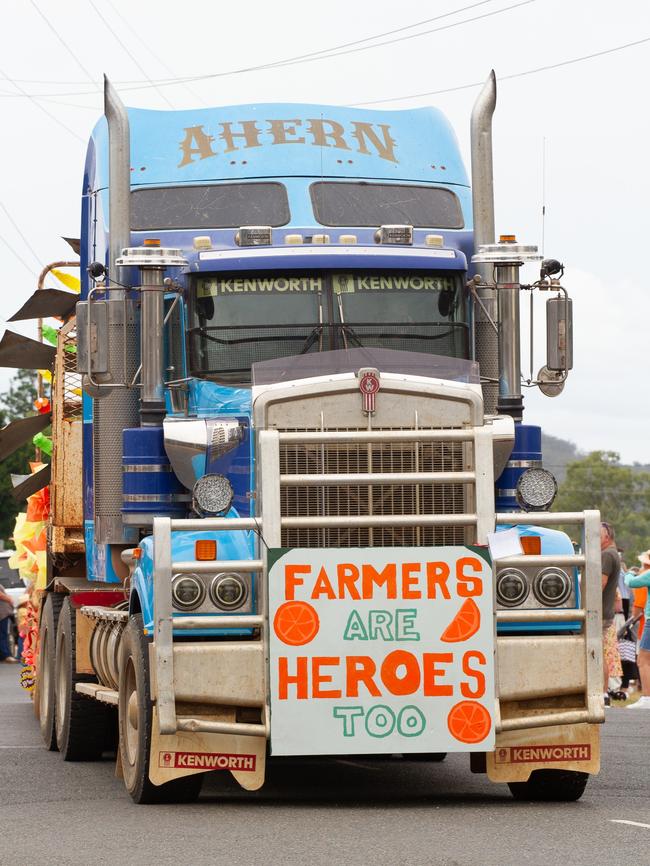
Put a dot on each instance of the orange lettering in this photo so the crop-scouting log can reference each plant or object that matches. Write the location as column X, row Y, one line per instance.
column 300, row 679
column 319, row 678
column 323, row 586
column 410, row 577
column 465, row 689
column 437, row 575
column 431, row 673
column 291, row 581
column 469, row 584
column 360, row 669
column 406, row 684
column 386, row 577
column 348, row 575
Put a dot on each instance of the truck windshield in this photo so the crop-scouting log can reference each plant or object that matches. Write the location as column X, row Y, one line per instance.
column 359, row 203
column 237, row 320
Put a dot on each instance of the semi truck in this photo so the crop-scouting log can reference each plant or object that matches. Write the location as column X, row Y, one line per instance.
column 295, row 509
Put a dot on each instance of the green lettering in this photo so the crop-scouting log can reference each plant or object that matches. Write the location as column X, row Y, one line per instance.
column 355, row 628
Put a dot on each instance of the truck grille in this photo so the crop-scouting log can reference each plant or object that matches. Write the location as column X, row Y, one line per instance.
column 375, row 499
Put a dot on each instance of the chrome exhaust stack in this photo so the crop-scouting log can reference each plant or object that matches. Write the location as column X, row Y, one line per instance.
column 115, row 406
column 485, row 300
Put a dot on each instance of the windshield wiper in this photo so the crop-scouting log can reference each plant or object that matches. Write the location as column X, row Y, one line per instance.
column 311, row 339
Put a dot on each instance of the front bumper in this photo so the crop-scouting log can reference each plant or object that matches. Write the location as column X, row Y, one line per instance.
column 541, row 681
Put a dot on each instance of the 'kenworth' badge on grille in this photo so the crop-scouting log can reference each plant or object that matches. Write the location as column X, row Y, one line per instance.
column 368, row 385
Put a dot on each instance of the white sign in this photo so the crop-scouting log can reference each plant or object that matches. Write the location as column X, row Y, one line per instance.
column 380, row 650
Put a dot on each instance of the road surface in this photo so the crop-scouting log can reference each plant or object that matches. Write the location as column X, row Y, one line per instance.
column 394, row 813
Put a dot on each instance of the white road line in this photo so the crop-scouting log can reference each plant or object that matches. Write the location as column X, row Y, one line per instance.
column 632, row 823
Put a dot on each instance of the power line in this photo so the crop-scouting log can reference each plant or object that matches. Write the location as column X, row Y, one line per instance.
column 41, row 107
column 312, row 57
column 156, row 57
column 323, row 54
column 131, row 55
column 66, row 46
column 175, row 79
column 25, row 240
column 509, row 77
column 17, row 255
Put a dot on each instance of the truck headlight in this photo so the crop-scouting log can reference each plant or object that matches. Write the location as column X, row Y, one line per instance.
column 188, row 591
column 228, row 590
column 212, row 494
column 552, row 587
column 536, row 489
column 512, row 587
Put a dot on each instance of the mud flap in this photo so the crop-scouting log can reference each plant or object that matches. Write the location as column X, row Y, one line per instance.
column 561, row 747
column 185, row 753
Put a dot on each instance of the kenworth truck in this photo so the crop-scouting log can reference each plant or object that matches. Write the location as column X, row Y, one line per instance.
column 296, row 511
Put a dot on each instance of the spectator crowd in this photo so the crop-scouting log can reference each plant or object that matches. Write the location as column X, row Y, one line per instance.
column 626, row 624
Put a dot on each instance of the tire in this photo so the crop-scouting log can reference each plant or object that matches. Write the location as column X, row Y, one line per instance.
column 427, row 757
column 45, row 688
column 551, row 786
column 135, row 721
column 83, row 725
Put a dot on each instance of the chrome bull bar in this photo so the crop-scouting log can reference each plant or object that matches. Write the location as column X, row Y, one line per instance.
column 270, row 524
column 588, row 616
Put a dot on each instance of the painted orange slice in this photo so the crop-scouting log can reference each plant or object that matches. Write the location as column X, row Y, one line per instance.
column 469, row 722
column 465, row 624
column 296, row 623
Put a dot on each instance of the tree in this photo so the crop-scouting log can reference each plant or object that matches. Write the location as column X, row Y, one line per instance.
column 621, row 494
column 17, row 402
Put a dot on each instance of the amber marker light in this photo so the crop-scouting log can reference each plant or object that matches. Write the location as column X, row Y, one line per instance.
column 151, row 242
column 531, row 544
column 205, row 550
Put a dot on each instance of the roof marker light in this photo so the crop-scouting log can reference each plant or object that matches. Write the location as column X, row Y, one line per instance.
column 151, row 242
column 202, row 242
column 434, row 240
column 350, row 240
column 320, row 239
column 394, row 234
column 254, row 236
column 293, row 239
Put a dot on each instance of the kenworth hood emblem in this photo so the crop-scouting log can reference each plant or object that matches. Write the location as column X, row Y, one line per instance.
column 369, row 385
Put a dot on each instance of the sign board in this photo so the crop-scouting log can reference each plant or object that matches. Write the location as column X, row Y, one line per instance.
column 380, row 650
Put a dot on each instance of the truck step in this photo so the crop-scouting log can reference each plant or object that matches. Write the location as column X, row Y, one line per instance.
column 98, row 692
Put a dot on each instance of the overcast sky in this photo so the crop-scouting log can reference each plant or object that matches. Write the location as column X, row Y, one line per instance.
column 590, row 118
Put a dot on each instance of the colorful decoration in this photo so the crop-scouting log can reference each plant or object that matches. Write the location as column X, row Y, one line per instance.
column 29, row 634
column 42, row 405
column 44, row 443
column 50, row 334
column 68, row 280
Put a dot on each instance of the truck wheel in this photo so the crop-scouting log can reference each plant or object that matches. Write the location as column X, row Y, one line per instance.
column 551, row 786
column 135, row 721
column 82, row 724
column 44, row 698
